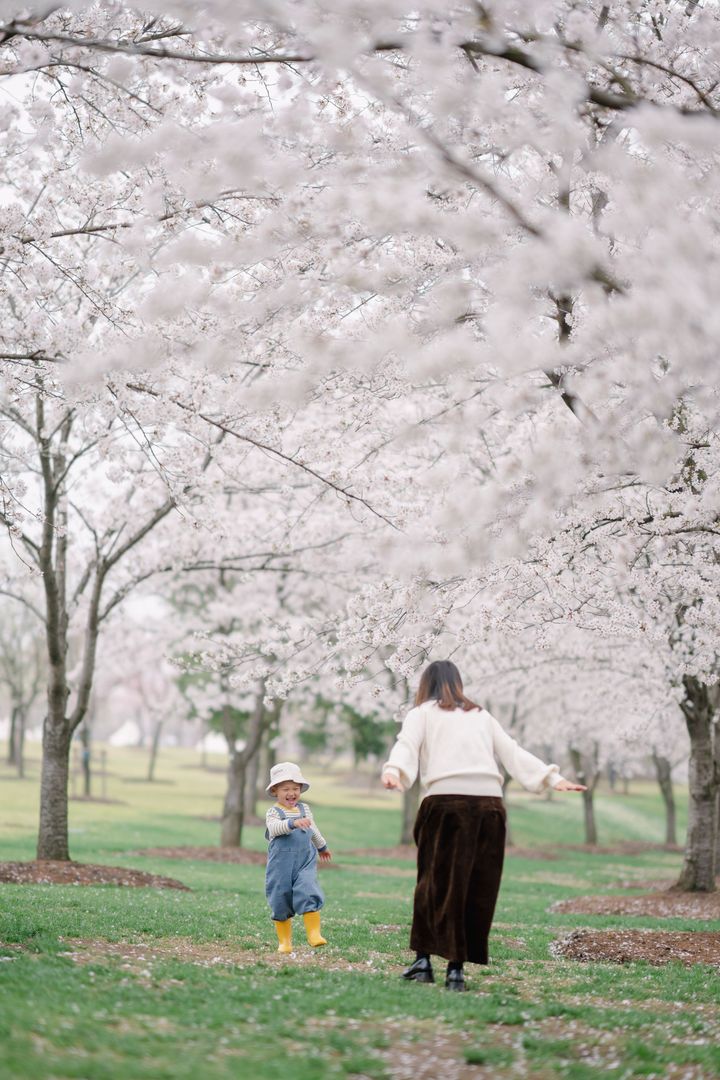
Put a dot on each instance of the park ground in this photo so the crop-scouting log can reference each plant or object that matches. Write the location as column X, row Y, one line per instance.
column 113, row 982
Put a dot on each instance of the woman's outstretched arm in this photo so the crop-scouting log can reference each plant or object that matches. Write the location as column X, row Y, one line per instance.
column 401, row 768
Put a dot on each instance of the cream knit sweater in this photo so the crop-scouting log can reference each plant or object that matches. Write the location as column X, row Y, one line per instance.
column 455, row 752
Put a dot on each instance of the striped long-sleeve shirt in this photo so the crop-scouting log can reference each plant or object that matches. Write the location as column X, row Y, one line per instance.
column 277, row 825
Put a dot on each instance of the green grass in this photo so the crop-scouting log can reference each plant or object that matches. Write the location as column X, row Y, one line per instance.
column 342, row 1012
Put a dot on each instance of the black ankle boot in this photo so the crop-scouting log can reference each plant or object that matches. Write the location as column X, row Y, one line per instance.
column 421, row 971
column 455, row 978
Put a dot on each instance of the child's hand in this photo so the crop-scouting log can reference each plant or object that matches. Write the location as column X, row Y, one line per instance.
column 325, row 855
column 303, row 823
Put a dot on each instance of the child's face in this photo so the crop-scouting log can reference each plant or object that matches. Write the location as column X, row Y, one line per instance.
column 288, row 793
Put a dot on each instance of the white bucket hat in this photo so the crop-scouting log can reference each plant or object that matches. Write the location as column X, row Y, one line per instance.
column 287, row 770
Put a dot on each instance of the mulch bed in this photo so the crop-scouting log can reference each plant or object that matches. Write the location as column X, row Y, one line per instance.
column 664, row 904
column 96, row 799
column 655, row 947
column 240, row 856
column 624, row 847
column 400, row 851
column 53, row 872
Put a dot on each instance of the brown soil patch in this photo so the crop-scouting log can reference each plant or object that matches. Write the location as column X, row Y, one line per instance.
column 240, row 856
column 96, row 799
column 542, row 853
column 655, row 947
column 384, row 871
column 623, row 847
column 666, row 904
column 400, row 851
column 52, row 872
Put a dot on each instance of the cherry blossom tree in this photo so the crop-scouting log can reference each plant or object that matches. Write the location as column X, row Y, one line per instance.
column 451, row 267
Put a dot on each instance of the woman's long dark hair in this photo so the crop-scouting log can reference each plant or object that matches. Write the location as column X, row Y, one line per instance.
column 441, row 682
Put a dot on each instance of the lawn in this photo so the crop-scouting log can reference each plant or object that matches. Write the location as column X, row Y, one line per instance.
column 106, row 983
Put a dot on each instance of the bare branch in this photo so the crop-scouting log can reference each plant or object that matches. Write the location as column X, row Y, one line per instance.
column 287, row 458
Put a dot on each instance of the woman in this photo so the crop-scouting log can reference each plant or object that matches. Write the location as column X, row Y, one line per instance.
column 460, row 826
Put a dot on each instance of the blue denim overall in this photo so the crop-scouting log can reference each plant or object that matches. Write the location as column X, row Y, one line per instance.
column 291, row 884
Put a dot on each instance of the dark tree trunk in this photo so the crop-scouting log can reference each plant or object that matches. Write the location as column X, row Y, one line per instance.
column 410, row 803
column 591, row 835
column 50, row 557
column 586, row 773
column 20, row 728
column 85, row 761
column 250, row 795
column 663, row 771
column 233, row 817
column 267, row 757
column 12, row 738
column 154, row 747
column 53, row 832
column 698, row 871
column 16, row 740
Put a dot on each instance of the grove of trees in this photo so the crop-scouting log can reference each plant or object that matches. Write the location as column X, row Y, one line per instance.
column 356, row 334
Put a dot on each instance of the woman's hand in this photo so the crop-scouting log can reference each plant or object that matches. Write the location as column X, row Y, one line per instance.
column 391, row 782
column 566, row 785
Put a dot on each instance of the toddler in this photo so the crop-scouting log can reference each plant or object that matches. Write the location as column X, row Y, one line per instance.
column 291, row 884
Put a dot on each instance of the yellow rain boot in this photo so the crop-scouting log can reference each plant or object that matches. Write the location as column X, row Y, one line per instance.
column 312, row 928
column 284, row 933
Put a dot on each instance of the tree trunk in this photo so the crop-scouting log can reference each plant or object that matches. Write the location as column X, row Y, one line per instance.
column 154, row 750
column 662, row 771
column 410, row 803
column 588, row 776
column 20, row 728
column 53, row 831
column 233, row 817
column 250, row 795
column 698, row 871
column 266, row 759
column 12, row 738
column 591, row 835
column 85, row 760
column 51, row 558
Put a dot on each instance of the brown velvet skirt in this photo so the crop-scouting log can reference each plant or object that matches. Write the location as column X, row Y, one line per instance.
column 461, row 846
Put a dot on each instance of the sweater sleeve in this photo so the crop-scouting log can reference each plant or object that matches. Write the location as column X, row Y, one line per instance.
column 316, row 836
column 276, row 825
column 404, row 760
column 523, row 766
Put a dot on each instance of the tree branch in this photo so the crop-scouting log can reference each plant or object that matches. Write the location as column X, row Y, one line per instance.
column 287, row 458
